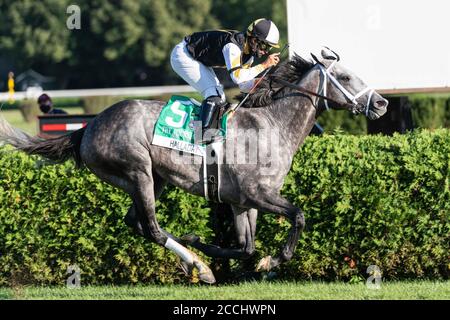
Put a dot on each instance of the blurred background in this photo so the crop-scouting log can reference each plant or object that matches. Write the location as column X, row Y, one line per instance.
column 127, row 44
column 120, row 44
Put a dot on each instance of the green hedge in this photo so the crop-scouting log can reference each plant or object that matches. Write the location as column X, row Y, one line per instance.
column 337, row 120
column 428, row 112
column 372, row 200
column 368, row 200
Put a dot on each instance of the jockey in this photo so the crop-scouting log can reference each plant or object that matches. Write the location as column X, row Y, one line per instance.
column 194, row 58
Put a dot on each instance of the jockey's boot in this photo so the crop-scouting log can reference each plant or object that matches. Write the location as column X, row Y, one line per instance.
column 208, row 109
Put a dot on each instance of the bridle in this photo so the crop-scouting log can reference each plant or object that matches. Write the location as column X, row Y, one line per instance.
column 325, row 72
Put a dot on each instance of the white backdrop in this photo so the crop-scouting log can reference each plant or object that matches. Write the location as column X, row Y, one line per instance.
column 390, row 44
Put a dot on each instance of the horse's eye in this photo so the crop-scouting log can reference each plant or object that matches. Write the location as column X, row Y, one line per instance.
column 345, row 78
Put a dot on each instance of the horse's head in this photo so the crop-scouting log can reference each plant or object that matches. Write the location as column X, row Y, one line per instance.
column 344, row 89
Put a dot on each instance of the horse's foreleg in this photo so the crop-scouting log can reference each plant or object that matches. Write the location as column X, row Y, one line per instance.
column 269, row 203
column 132, row 220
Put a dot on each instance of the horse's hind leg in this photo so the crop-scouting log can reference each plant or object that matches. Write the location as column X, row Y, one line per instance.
column 132, row 219
column 144, row 199
column 140, row 186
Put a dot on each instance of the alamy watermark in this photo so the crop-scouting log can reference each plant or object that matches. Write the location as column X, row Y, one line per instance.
column 373, row 17
column 374, row 280
column 74, row 279
column 254, row 148
column 73, row 22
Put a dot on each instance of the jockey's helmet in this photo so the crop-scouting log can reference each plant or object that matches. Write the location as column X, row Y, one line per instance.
column 264, row 30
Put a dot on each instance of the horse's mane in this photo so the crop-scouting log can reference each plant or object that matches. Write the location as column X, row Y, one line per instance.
column 292, row 71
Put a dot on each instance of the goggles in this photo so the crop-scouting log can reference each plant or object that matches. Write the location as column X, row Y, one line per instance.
column 264, row 46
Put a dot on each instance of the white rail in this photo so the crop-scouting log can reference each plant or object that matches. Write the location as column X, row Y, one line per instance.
column 33, row 93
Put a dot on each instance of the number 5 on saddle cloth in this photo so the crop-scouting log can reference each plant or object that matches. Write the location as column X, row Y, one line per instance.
column 179, row 128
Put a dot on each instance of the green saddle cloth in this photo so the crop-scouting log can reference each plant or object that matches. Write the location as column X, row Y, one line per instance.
column 175, row 126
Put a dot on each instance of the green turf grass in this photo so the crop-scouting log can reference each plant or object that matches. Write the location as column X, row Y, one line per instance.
column 246, row 291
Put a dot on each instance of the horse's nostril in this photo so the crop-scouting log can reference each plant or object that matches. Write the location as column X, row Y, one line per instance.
column 381, row 103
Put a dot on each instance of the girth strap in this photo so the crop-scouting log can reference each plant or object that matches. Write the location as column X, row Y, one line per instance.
column 211, row 163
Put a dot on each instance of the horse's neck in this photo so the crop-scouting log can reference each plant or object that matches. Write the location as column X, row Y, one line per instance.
column 295, row 113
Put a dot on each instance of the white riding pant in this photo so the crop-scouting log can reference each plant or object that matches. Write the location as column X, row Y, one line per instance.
column 197, row 75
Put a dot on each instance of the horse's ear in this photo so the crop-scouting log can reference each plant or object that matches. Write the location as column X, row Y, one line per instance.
column 316, row 59
column 329, row 54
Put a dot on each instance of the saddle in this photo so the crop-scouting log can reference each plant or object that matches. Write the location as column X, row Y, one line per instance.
column 176, row 129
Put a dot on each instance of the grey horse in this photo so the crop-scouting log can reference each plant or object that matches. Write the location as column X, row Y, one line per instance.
column 117, row 147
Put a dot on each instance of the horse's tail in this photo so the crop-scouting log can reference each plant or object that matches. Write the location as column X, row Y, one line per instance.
column 58, row 149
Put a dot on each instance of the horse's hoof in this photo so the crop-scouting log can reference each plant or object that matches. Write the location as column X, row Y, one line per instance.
column 264, row 264
column 190, row 239
column 204, row 272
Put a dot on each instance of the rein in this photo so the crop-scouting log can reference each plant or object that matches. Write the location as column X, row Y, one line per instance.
column 303, row 90
column 327, row 75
